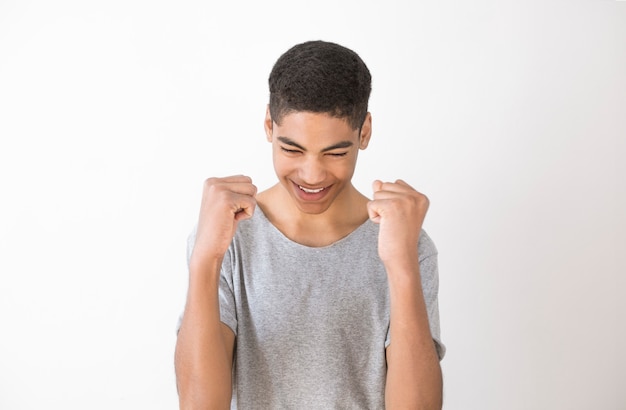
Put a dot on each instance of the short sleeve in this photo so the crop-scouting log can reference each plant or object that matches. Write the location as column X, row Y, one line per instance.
column 228, row 303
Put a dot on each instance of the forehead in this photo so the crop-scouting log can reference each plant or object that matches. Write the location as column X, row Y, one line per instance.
column 315, row 129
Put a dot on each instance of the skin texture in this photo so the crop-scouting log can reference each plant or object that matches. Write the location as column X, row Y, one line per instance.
column 312, row 151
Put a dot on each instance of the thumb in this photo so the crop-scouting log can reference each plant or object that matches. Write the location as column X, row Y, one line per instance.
column 245, row 212
column 377, row 185
column 372, row 212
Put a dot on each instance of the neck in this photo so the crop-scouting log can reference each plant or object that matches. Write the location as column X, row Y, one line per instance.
column 346, row 214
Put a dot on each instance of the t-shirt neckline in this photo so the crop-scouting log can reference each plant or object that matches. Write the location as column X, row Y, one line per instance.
column 339, row 242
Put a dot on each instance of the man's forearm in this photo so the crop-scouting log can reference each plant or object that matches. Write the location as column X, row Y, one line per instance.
column 414, row 377
column 204, row 348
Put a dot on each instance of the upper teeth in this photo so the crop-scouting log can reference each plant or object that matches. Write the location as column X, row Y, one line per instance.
column 310, row 191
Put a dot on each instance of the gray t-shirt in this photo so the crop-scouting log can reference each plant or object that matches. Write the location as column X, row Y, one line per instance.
column 312, row 324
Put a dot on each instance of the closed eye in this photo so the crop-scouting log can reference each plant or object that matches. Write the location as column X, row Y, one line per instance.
column 337, row 154
column 290, row 151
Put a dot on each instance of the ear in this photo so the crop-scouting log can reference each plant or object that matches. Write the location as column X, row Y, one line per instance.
column 366, row 132
column 268, row 124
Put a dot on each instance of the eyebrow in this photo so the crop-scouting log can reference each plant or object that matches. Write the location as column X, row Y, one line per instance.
column 339, row 145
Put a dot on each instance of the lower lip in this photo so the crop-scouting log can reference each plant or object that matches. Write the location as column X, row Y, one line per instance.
column 310, row 196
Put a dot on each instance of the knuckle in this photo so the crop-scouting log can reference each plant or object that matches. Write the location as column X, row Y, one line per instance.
column 213, row 187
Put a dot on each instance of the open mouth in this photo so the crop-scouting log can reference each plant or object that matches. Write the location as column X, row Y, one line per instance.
column 311, row 191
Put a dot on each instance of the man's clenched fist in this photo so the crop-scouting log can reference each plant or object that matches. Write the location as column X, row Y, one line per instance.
column 400, row 210
column 225, row 202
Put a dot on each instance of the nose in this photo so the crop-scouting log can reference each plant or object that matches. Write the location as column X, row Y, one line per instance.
column 312, row 172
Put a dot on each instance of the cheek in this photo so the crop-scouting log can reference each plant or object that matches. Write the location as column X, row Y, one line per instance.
column 281, row 164
column 343, row 170
column 349, row 165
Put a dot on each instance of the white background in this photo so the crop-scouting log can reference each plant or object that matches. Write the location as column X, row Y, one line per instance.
column 510, row 116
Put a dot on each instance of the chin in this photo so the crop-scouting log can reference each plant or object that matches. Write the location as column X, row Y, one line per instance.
column 312, row 209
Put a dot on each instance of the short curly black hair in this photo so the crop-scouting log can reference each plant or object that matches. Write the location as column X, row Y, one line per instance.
column 320, row 77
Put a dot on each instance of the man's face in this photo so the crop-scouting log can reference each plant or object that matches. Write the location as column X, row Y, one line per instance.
column 315, row 156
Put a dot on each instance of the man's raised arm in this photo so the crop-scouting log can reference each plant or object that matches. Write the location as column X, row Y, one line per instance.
column 414, row 379
column 204, row 349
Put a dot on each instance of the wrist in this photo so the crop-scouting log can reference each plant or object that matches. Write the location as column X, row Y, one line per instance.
column 204, row 266
column 402, row 263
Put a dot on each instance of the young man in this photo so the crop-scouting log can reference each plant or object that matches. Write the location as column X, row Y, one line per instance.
column 309, row 295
